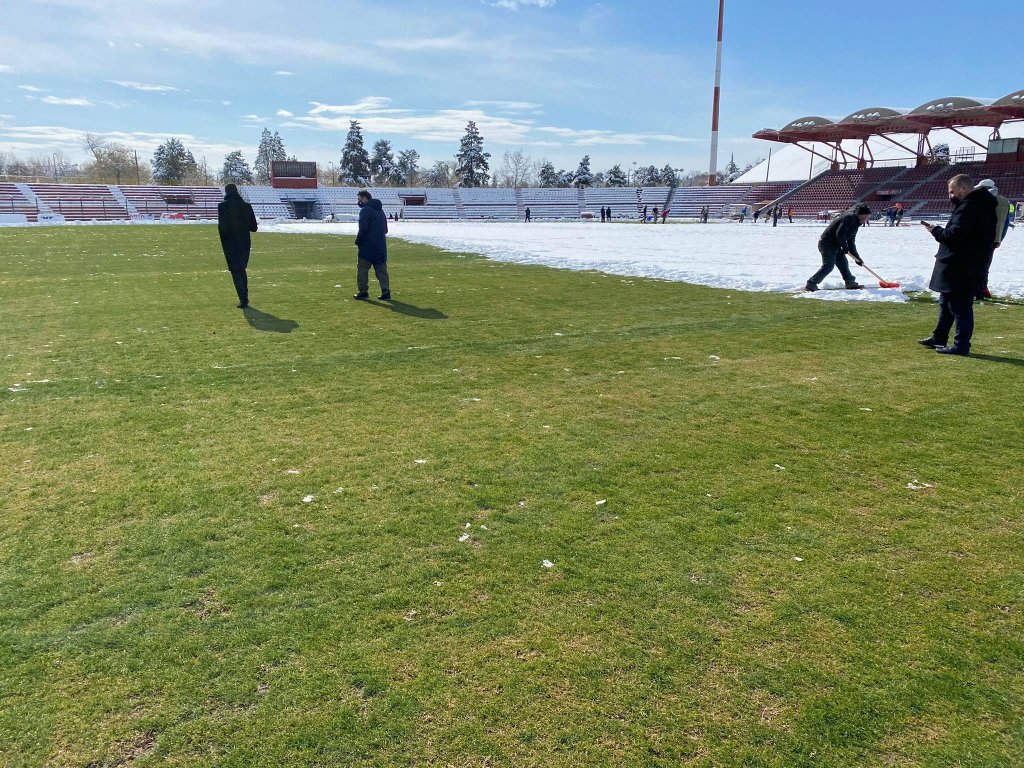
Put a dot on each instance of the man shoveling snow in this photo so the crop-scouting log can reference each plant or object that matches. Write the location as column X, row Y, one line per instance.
column 839, row 239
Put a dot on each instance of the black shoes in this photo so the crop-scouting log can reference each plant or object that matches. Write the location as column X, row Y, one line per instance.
column 931, row 343
column 243, row 304
column 386, row 296
column 854, row 286
column 361, row 296
column 954, row 350
column 811, row 286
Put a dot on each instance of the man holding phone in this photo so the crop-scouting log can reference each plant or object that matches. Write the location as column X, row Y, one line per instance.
column 965, row 246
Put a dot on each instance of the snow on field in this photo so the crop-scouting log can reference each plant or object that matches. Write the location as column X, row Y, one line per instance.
column 744, row 257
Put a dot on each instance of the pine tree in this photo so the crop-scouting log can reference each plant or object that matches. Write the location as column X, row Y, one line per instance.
column 277, row 148
column 471, row 158
column 565, row 178
column 583, row 177
column 648, row 176
column 263, row 157
column 439, row 175
column 382, row 164
column 732, row 171
column 548, row 176
column 668, row 177
column 408, row 166
column 172, row 163
column 616, row 177
column 236, row 170
column 355, row 161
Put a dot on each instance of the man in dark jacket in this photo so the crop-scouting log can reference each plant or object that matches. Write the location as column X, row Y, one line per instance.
column 839, row 239
column 373, row 247
column 235, row 220
column 965, row 246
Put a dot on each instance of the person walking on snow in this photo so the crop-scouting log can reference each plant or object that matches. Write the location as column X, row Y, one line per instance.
column 235, row 223
column 373, row 247
column 839, row 239
column 965, row 246
column 527, row 213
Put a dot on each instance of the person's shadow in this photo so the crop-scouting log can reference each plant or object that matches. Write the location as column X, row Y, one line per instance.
column 263, row 321
column 999, row 359
column 412, row 311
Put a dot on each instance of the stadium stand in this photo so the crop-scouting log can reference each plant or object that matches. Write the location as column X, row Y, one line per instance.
column 12, row 201
column 687, row 201
column 80, row 202
column 487, row 203
column 192, row 203
column 551, row 203
column 265, row 201
column 622, row 201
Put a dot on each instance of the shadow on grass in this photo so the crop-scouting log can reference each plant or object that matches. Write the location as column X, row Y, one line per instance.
column 998, row 359
column 263, row 321
column 412, row 311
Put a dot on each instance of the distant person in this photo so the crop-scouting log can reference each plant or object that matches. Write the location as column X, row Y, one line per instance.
column 1002, row 227
column 775, row 216
column 527, row 213
column 757, row 212
column 743, row 213
column 789, row 212
column 645, row 214
column 655, row 214
column 235, row 223
column 965, row 246
column 373, row 247
column 664, row 215
column 900, row 210
column 602, row 214
column 839, row 239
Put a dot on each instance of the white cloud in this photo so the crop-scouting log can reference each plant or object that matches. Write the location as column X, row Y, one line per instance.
column 143, row 86
column 284, row 113
column 371, row 105
column 451, row 43
column 284, row 73
column 66, row 102
column 586, row 137
column 227, row 103
column 6, row 69
column 254, row 118
column 508, row 106
column 31, row 88
column 515, row 5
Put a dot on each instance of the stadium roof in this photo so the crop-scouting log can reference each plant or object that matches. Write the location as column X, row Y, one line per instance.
column 949, row 112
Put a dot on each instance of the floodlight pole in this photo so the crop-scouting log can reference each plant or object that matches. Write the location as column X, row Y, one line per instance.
column 713, row 172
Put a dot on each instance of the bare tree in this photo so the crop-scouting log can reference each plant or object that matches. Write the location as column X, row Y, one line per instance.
column 515, row 169
column 112, row 162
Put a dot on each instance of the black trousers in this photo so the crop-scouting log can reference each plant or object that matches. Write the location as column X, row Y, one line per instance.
column 241, row 281
column 957, row 307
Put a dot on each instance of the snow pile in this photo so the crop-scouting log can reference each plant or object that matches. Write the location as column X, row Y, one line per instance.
column 748, row 257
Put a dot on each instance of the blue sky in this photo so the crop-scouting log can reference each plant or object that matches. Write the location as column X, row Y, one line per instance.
column 622, row 81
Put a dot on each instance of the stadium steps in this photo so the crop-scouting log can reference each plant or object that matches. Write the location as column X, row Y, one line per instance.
column 520, row 204
column 581, row 201
column 459, row 207
column 32, row 197
column 119, row 196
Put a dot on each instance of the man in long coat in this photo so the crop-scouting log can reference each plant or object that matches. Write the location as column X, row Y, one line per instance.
column 235, row 221
column 373, row 247
column 965, row 247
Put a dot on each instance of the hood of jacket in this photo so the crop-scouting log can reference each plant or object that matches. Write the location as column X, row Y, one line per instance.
column 375, row 204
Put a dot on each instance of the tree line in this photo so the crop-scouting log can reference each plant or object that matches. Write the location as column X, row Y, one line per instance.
column 173, row 163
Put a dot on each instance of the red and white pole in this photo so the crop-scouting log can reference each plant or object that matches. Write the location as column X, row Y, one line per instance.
column 713, row 172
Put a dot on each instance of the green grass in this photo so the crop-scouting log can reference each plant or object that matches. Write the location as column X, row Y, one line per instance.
column 169, row 599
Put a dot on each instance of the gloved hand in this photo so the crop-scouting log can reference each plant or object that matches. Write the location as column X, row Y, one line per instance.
column 858, row 261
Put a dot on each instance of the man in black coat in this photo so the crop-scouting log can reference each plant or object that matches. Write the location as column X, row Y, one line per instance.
column 965, row 246
column 373, row 247
column 839, row 239
column 235, row 220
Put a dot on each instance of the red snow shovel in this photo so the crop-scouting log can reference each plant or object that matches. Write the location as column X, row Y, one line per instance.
column 882, row 282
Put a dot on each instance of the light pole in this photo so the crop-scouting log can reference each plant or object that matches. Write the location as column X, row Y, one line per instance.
column 713, row 172
column 54, row 167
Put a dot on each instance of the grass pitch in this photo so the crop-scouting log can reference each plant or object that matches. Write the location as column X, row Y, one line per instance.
column 779, row 532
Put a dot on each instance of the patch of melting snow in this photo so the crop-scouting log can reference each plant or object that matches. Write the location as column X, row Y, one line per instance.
column 339, row 489
column 779, row 467
column 547, row 563
column 420, row 461
column 307, row 499
column 866, row 409
column 464, row 538
column 716, row 358
column 917, row 485
column 599, row 502
column 291, row 471
column 798, row 559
